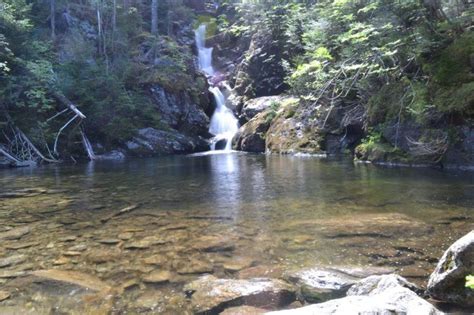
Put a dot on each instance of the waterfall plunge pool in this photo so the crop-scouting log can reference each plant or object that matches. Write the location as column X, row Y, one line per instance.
column 268, row 213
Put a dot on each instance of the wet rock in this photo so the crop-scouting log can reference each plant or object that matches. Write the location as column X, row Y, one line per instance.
column 125, row 236
column 9, row 274
column 151, row 142
column 17, row 246
column 251, row 136
column 318, row 285
column 72, row 254
column 15, row 233
column 100, row 256
column 244, row 310
column 214, row 244
column 447, row 282
column 82, row 280
column 61, row 261
column 69, row 238
column 387, row 294
column 379, row 225
column 237, row 264
column 261, row 271
column 157, row 260
column 78, row 248
column 158, row 277
column 4, row 295
column 109, row 241
column 12, row 260
column 195, row 266
column 212, row 295
column 142, row 244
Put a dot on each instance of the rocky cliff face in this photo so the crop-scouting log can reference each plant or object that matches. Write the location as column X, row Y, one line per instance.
column 375, row 132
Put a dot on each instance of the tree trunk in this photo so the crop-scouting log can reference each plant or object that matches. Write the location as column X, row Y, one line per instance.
column 53, row 19
column 154, row 17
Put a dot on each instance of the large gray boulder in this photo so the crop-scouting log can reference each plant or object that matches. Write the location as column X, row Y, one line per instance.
column 381, row 295
column 153, row 142
column 210, row 295
column 447, row 282
column 320, row 284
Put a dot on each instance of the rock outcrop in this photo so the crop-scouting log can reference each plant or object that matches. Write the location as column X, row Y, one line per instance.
column 150, row 142
column 251, row 136
column 210, row 295
column 447, row 282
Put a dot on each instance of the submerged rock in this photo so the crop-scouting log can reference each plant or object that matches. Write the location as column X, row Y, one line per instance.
column 15, row 233
column 214, row 244
column 12, row 260
column 158, row 277
column 244, row 310
column 447, row 282
column 322, row 284
column 4, row 295
column 212, row 295
column 387, row 294
column 82, row 280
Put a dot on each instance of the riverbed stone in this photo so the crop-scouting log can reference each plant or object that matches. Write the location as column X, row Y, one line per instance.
column 237, row 264
column 12, row 260
column 17, row 246
column 212, row 295
column 157, row 260
column 158, row 277
column 447, row 282
column 4, row 295
column 195, row 266
column 79, row 279
column 244, row 310
column 15, row 233
column 214, row 244
column 261, row 271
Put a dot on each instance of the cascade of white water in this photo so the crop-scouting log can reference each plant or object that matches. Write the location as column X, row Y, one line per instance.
column 223, row 124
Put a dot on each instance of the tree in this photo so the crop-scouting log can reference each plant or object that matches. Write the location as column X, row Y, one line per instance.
column 154, row 17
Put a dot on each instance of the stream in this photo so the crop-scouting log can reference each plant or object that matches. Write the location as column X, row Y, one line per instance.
column 147, row 227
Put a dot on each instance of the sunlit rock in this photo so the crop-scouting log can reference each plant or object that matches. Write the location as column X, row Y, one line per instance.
column 210, row 294
column 447, row 282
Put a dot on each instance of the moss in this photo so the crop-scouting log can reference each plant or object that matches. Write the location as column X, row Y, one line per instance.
column 373, row 148
column 211, row 23
column 455, row 99
column 453, row 66
column 385, row 104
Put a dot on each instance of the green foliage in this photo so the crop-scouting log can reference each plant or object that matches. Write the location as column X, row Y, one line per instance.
column 470, row 282
column 453, row 66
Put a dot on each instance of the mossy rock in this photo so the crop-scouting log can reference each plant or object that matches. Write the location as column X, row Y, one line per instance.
column 385, row 104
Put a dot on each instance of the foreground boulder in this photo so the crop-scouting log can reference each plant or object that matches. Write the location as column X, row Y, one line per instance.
column 316, row 285
column 387, row 294
column 210, row 295
column 447, row 282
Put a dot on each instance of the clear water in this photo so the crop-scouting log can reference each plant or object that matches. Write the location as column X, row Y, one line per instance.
column 277, row 212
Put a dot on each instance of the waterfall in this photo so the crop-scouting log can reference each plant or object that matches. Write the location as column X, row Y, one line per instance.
column 223, row 124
